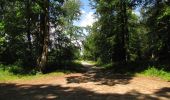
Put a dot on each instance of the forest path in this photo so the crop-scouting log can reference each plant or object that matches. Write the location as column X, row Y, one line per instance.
column 90, row 85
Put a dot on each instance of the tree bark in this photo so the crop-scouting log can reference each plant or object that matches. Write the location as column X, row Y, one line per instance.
column 44, row 29
column 123, row 39
column 28, row 26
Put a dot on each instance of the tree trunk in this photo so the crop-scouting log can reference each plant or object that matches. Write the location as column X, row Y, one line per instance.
column 124, row 32
column 44, row 29
column 28, row 28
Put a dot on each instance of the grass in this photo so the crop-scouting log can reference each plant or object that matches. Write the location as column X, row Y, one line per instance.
column 12, row 72
column 90, row 62
column 6, row 75
column 148, row 72
column 154, row 72
column 106, row 66
column 99, row 64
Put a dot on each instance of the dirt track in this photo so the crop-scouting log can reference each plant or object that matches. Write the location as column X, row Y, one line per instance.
column 91, row 85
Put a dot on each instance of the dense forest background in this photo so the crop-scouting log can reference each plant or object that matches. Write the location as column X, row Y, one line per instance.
column 40, row 34
column 36, row 34
column 123, row 38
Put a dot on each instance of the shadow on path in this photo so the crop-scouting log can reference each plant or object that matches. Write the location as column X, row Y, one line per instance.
column 96, row 74
column 52, row 91
column 57, row 92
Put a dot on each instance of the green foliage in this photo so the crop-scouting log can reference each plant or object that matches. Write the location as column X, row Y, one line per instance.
column 90, row 50
column 7, row 74
column 90, row 62
column 158, row 23
column 154, row 72
column 72, row 9
column 2, row 40
column 105, row 66
column 22, row 32
column 112, row 38
column 1, row 26
column 120, row 36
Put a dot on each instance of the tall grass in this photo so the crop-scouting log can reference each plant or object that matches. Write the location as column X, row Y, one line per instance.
column 154, row 72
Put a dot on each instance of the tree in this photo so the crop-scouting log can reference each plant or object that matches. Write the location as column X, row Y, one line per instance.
column 27, row 34
column 113, row 30
column 44, row 28
column 157, row 19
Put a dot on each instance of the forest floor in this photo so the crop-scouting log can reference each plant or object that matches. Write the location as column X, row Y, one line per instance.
column 93, row 84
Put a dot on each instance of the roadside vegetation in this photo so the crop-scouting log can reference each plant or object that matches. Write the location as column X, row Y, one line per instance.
column 155, row 72
column 135, row 69
column 13, row 72
column 8, row 76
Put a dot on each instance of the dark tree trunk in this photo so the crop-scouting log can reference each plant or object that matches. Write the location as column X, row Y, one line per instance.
column 28, row 30
column 28, row 26
column 124, row 32
column 44, row 29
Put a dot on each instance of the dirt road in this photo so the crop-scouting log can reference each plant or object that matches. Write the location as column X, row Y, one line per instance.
column 91, row 85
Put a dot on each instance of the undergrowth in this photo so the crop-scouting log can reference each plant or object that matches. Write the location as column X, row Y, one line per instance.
column 14, row 72
column 154, row 72
column 138, row 69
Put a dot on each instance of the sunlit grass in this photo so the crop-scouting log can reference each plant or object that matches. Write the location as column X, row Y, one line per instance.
column 90, row 62
column 13, row 72
column 149, row 72
column 154, row 72
column 107, row 66
column 6, row 75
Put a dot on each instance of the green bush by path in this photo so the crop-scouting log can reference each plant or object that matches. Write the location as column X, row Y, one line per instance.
column 154, row 72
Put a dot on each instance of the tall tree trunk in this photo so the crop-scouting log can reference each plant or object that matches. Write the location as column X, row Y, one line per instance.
column 124, row 31
column 28, row 28
column 44, row 17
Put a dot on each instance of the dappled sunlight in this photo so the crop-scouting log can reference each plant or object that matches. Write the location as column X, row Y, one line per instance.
column 164, row 92
column 86, row 63
column 12, row 91
column 95, row 74
column 93, row 83
column 101, row 80
column 84, row 50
